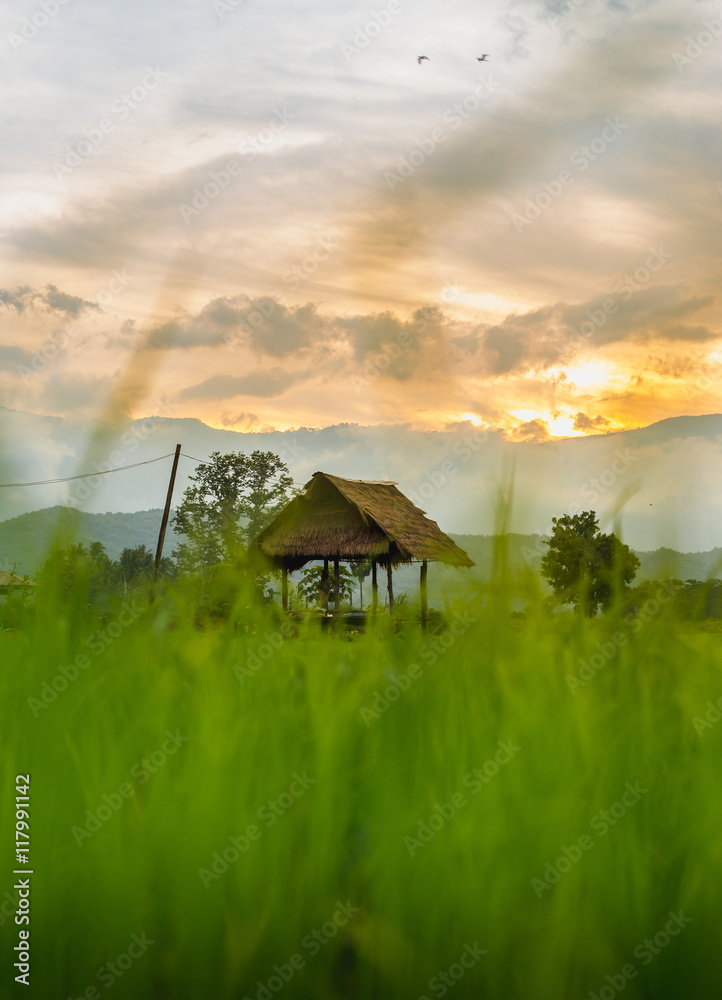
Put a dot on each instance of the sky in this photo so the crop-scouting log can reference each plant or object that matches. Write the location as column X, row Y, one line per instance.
column 271, row 215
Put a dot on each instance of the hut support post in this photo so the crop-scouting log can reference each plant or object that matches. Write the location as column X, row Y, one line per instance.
column 324, row 588
column 284, row 588
column 391, row 587
column 374, row 588
column 424, row 596
column 336, row 586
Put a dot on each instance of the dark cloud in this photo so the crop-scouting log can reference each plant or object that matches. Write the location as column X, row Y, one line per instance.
column 12, row 356
column 584, row 423
column 239, row 421
column 52, row 300
column 17, row 299
column 542, row 338
column 532, row 431
column 641, row 314
column 680, row 332
column 521, row 342
column 429, row 343
column 70, row 305
column 388, row 346
column 263, row 384
column 264, row 324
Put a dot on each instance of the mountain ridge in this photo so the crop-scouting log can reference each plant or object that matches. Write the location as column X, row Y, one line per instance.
column 25, row 539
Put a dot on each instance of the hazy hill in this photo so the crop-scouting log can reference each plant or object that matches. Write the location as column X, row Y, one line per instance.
column 527, row 550
column 24, row 541
column 670, row 472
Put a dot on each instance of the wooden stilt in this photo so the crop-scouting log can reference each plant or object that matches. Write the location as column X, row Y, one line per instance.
column 336, row 586
column 391, row 587
column 324, row 588
column 424, row 596
column 374, row 588
column 284, row 589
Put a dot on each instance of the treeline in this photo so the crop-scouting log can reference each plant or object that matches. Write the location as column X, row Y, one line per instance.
column 690, row 600
column 91, row 566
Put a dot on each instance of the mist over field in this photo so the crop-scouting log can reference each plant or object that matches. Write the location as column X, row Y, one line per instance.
column 668, row 476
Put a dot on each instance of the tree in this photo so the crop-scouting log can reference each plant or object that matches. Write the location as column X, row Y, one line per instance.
column 360, row 569
column 585, row 567
column 310, row 582
column 233, row 498
column 89, row 569
column 136, row 565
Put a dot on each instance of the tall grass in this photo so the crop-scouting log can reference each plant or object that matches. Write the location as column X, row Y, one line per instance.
column 385, row 744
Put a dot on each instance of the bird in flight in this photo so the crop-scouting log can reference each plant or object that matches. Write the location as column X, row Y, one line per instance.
column 483, row 58
column 421, row 59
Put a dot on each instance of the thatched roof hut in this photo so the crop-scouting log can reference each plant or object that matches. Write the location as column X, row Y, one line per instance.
column 355, row 519
column 8, row 581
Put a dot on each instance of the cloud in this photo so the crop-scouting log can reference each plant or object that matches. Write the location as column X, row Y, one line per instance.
column 399, row 349
column 269, row 383
column 12, row 356
column 67, row 393
column 533, row 431
column 18, row 299
column 240, row 421
column 264, row 324
column 70, row 305
column 584, row 423
column 508, row 129
column 51, row 300
column 640, row 314
column 678, row 331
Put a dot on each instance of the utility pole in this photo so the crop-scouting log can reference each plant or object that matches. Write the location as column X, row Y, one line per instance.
column 424, row 596
column 166, row 514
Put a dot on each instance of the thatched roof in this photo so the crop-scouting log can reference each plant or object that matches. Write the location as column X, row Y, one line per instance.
column 355, row 519
column 13, row 580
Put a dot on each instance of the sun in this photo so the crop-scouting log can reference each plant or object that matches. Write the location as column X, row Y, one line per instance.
column 558, row 424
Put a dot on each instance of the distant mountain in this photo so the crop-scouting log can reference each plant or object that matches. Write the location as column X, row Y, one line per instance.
column 666, row 563
column 24, row 542
column 663, row 482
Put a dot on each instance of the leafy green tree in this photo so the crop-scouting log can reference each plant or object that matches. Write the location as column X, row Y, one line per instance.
column 584, row 566
column 233, row 497
column 310, row 582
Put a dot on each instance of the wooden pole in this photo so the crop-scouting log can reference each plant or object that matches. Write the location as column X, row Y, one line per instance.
column 391, row 587
column 374, row 588
column 284, row 589
column 324, row 588
column 336, row 585
column 166, row 515
column 424, row 596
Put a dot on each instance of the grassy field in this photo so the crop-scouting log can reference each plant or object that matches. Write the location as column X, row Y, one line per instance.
column 503, row 809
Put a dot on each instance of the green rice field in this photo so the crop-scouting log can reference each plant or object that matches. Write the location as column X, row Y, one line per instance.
column 519, row 808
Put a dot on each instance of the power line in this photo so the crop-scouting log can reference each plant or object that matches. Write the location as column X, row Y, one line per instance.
column 87, row 475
